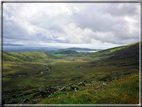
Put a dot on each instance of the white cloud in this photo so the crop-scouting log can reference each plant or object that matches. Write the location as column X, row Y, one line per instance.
column 70, row 23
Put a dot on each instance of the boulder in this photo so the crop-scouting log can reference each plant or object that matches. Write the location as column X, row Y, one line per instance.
column 81, row 83
column 63, row 88
column 75, row 89
column 104, row 84
column 101, row 86
column 26, row 100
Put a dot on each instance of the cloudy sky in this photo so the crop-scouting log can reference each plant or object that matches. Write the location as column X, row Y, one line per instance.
column 91, row 25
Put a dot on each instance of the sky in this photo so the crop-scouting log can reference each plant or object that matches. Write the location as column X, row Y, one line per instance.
column 64, row 25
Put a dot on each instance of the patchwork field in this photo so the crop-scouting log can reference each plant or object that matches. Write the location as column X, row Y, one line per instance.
column 104, row 77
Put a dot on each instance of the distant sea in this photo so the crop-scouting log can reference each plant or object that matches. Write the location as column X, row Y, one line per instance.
column 86, row 51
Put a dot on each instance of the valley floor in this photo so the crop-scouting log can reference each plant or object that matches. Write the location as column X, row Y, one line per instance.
column 106, row 77
column 69, row 82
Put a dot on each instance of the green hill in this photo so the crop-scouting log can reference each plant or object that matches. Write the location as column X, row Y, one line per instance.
column 27, row 56
column 119, row 56
column 66, row 52
column 117, row 50
column 61, row 53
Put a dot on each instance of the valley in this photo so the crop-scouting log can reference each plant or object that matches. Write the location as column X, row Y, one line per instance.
column 66, row 76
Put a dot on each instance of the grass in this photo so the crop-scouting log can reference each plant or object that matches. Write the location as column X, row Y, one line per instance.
column 116, row 92
column 27, row 79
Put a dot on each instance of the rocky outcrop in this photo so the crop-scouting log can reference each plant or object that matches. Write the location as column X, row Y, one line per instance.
column 101, row 86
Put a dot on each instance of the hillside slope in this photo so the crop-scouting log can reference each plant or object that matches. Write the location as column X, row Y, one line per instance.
column 110, row 77
column 27, row 56
column 117, row 50
column 119, row 56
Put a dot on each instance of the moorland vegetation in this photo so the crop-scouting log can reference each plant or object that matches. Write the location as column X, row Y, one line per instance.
column 67, row 77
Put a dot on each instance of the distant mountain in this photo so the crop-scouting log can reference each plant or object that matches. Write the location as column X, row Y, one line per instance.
column 66, row 52
column 50, row 50
column 83, row 49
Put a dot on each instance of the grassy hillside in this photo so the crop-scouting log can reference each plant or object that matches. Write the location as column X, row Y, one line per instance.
column 134, row 48
column 106, row 77
column 27, row 56
column 119, row 56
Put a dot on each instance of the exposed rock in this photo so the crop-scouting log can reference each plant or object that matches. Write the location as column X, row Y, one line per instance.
column 101, row 86
column 75, row 89
column 26, row 100
column 63, row 88
column 81, row 83
column 104, row 84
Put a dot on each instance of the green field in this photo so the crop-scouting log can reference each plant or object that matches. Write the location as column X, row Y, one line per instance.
column 68, row 77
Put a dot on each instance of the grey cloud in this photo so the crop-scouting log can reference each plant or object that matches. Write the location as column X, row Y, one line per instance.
column 56, row 28
column 102, row 18
column 53, row 40
column 96, row 20
column 121, row 9
column 12, row 30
